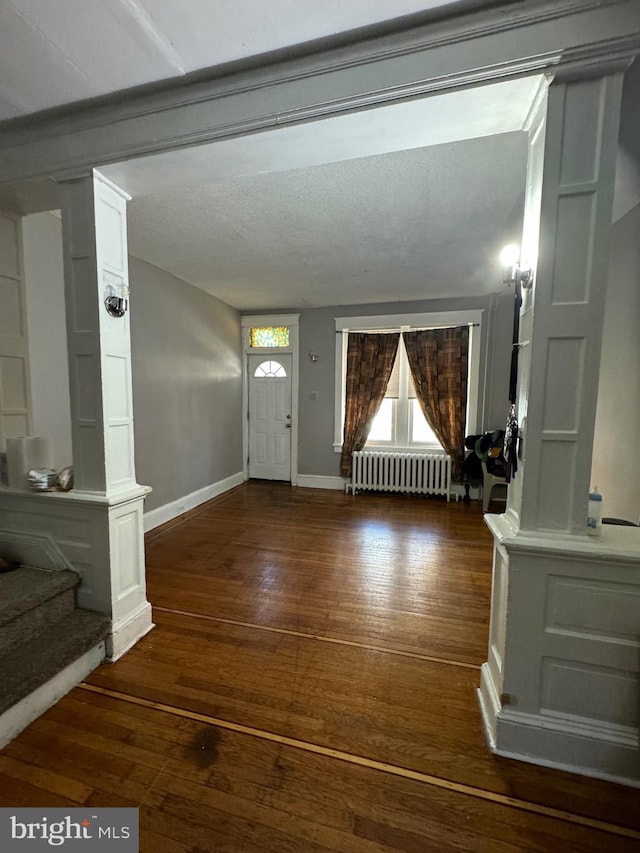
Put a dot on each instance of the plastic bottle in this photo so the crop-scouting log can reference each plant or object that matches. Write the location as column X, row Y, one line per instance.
column 594, row 513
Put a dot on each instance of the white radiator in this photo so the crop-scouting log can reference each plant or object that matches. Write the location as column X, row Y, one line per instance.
column 415, row 473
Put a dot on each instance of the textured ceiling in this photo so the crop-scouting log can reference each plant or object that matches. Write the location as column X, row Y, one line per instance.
column 54, row 52
column 414, row 224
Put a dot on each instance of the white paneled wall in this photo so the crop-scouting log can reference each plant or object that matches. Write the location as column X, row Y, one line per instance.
column 15, row 402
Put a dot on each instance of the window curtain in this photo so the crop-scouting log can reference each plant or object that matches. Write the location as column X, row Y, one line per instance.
column 439, row 359
column 370, row 359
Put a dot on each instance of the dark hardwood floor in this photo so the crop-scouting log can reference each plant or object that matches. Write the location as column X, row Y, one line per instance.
column 310, row 686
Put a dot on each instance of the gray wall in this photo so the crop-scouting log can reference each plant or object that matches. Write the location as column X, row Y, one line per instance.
column 317, row 333
column 616, row 460
column 187, row 385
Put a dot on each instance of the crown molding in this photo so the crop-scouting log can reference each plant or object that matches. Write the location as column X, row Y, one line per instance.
column 312, row 82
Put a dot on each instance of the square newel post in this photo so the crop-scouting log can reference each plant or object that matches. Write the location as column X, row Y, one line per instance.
column 99, row 349
column 561, row 684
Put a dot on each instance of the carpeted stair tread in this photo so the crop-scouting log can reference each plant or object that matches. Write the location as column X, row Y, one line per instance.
column 27, row 588
column 32, row 623
column 25, row 669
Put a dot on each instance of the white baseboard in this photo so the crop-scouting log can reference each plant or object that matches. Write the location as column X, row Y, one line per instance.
column 13, row 721
column 128, row 631
column 167, row 512
column 489, row 704
column 539, row 740
column 319, row 481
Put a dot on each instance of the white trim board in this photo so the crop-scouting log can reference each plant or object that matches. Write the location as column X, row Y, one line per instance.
column 167, row 512
column 321, row 481
column 17, row 718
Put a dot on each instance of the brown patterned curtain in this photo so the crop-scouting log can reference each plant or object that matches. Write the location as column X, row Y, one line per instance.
column 370, row 360
column 439, row 359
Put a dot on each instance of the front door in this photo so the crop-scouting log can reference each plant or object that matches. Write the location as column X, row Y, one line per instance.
column 270, row 416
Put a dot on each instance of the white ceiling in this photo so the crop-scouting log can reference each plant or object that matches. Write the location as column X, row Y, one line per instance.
column 54, row 52
column 403, row 202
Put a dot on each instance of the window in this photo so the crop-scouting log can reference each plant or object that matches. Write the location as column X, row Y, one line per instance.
column 270, row 370
column 269, row 336
column 400, row 422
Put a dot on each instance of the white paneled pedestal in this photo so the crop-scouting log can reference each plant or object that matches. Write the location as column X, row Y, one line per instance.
column 562, row 683
column 101, row 539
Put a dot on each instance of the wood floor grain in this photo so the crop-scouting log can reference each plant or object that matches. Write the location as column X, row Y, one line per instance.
column 310, row 686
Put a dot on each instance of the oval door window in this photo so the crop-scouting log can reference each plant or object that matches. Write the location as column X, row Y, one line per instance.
column 270, row 370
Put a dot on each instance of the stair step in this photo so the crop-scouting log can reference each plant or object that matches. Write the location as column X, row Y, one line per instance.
column 26, row 588
column 26, row 668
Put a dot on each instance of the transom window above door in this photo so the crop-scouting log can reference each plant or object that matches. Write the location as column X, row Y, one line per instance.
column 270, row 370
column 269, row 336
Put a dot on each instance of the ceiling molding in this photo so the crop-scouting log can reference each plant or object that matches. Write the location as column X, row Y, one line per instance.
column 463, row 51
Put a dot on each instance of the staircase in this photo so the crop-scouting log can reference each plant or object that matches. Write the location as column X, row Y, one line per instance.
column 42, row 633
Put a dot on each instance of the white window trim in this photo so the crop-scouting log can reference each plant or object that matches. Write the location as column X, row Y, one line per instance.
column 293, row 321
column 438, row 320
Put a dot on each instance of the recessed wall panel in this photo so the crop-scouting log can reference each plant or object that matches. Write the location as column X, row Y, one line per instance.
column 11, row 319
column 562, row 393
column 120, row 454
column 87, row 386
column 611, row 695
column 126, row 531
column 116, row 387
column 579, row 143
column 9, row 247
column 557, row 465
column 15, row 425
column 574, row 226
column 84, row 296
column 111, row 235
column 605, row 610
column 13, row 382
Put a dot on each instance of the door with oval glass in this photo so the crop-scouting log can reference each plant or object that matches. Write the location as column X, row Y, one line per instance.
column 270, row 416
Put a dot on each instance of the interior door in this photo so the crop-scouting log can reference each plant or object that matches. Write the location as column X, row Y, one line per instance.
column 270, row 416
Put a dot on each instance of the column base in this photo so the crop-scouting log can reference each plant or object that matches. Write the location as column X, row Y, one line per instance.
column 126, row 632
column 561, row 687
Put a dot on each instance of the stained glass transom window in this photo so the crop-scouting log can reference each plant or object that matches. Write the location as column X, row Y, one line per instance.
column 270, row 336
column 270, row 370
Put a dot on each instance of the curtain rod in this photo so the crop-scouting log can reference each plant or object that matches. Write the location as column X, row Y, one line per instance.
column 411, row 328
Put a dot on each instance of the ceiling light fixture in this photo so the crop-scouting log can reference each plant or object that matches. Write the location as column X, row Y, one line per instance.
column 514, row 273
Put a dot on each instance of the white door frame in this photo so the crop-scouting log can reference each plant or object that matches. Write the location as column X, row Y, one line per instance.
column 291, row 320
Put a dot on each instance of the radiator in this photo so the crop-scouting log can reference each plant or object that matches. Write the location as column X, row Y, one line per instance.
column 414, row 473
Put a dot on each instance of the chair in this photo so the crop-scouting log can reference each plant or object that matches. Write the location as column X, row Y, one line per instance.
column 489, row 482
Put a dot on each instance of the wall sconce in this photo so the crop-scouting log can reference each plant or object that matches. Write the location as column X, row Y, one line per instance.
column 116, row 299
column 313, row 356
column 514, row 273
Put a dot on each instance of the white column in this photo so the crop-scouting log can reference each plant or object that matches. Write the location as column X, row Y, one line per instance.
column 575, row 142
column 95, row 251
column 561, row 685
column 99, row 348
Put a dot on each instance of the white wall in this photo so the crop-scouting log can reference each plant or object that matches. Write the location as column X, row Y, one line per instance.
column 44, row 286
column 616, row 459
